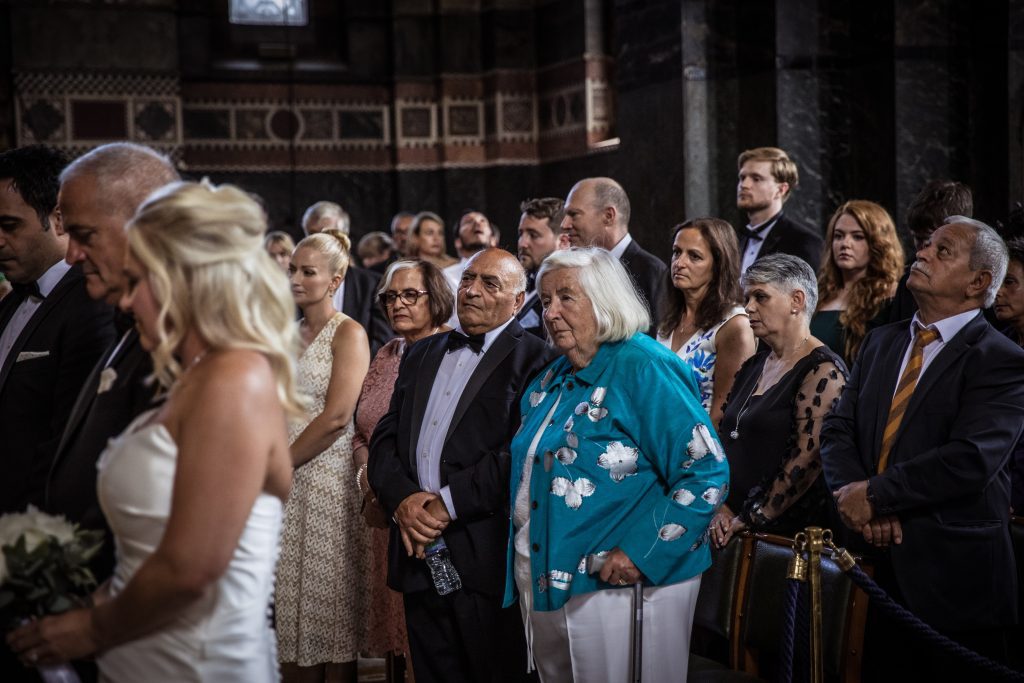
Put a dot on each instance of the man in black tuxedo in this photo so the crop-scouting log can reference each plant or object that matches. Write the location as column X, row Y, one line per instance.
column 767, row 178
column 916, row 453
column 439, row 462
column 538, row 237
column 99, row 193
column 357, row 295
column 51, row 332
column 597, row 215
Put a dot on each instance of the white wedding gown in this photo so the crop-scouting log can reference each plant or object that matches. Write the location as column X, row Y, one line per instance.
column 225, row 636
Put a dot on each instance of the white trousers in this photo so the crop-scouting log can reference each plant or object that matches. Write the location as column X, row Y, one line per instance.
column 588, row 640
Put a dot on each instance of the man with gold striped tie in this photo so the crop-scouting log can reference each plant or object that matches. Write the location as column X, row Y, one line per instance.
column 916, row 454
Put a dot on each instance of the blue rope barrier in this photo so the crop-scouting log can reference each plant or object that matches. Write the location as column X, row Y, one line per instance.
column 788, row 629
column 925, row 632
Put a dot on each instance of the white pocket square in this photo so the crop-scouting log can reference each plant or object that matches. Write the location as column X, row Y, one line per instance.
column 29, row 355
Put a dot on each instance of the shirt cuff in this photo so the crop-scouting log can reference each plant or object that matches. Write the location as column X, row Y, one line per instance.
column 446, row 496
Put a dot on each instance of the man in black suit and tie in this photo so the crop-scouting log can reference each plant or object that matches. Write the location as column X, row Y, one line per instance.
column 597, row 215
column 51, row 332
column 538, row 237
column 439, row 462
column 767, row 178
column 99, row 193
column 357, row 295
column 916, row 453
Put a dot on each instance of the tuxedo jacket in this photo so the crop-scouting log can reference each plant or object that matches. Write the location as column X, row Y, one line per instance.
column 113, row 395
column 360, row 304
column 947, row 478
column 474, row 461
column 40, row 380
column 788, row 237
column 650, row 274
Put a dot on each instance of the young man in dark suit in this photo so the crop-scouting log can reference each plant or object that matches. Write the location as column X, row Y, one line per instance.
column 439, row 463
column 538, row 237
column 767, row 178
column 51, row 332
column 916, row 455
column 99, row 193
column 597, row 215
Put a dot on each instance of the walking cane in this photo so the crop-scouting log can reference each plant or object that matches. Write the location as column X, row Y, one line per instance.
column 636, row 654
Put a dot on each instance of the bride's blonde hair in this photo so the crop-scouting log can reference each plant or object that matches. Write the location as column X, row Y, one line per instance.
column 202, row 248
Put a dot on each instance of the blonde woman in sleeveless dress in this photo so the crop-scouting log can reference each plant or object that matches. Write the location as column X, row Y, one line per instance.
column 193, row 489
column 323, row 574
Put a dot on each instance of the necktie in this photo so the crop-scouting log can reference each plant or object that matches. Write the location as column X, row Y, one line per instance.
column 456, row 340
column 27, row 289
column 904, row 390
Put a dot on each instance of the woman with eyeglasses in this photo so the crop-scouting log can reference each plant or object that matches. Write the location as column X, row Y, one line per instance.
column 323, row 572
column 417, row 302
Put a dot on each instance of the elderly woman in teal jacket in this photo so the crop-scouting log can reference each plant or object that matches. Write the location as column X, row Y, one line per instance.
column 616, row 473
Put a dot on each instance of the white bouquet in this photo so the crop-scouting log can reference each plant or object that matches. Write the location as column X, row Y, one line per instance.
column 44, row 569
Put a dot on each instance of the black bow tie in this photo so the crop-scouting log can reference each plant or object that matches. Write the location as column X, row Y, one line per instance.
column 456, row 340
column 27, row 289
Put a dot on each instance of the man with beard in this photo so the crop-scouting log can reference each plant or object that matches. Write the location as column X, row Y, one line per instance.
column 538, row 237
column 767, row 178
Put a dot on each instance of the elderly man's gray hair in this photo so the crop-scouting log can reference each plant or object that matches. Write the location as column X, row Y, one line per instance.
column 324, row 208
column 127, row 173
column 987, row 253
column 618, row 306
column 788, row 273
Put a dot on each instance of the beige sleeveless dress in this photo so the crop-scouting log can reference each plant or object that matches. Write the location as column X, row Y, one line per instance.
column 323, row 572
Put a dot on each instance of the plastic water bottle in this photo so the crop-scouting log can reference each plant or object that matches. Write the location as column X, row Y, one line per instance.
column 442, row 571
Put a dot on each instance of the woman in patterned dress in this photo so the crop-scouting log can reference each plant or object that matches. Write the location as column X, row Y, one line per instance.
column 323, row 573
column 417, row 301
column 703, row 321
column 615, row 475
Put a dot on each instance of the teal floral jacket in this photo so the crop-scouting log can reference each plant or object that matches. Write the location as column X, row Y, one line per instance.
column 628, row 460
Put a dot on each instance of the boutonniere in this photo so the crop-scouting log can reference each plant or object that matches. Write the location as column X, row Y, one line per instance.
column 107, row 379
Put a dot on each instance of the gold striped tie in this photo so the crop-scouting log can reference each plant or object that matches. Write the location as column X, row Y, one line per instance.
column 904, row 390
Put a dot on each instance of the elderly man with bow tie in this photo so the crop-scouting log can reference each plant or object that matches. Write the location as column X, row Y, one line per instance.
column 439, row 463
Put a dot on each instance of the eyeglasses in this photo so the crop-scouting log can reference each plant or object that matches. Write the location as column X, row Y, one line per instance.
column 409, row 297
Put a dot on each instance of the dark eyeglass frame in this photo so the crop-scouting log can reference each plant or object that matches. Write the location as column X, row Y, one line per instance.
column 409, row 297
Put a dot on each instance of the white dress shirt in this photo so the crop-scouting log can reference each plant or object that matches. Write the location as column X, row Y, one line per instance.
column 753, row 249
column 451, row 380
column 27, row 308
column 339, row 296
column 619, row 249
column 947, row 329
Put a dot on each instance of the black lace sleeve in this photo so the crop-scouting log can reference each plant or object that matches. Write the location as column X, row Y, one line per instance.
column 801, row 463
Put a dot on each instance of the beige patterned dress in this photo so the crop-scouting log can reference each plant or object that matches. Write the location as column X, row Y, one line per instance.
column 323, row 572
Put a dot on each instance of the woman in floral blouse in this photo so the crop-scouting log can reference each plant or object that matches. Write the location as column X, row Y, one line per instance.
column 616, row 473
column 703, row 321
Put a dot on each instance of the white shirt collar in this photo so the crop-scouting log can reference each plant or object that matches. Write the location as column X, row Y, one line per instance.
column 489, row 337
column 619, row 248
column 947, row 327
column 54, row 274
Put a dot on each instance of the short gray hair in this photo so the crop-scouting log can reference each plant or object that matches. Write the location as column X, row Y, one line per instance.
column 321, row 209
column 127, row 173
column 618, row 306
column 788, row 273
column 608, row 192
column 988, row 253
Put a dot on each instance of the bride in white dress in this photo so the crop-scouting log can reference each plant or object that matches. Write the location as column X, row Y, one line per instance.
column 193, row 489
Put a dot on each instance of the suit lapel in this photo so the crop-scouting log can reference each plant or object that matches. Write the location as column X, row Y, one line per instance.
column 887, row 364
column 936, row 370
column 499, row 350
column 421, row 394
column 50, row 303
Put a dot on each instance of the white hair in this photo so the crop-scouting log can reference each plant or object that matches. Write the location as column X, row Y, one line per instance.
column 987, row 253
column 618, row 306
column 788, row 273
column 321, row 209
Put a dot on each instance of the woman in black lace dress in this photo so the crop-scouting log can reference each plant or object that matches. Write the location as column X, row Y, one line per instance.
column 772, row 419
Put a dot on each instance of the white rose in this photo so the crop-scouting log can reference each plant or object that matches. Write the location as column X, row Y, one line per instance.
column 36, row 526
